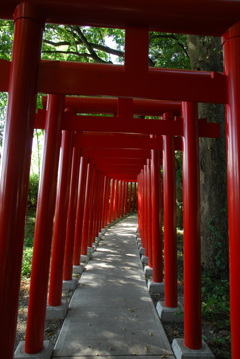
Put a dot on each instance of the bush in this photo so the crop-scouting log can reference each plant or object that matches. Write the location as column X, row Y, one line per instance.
column 27, row 262
column 33, row 190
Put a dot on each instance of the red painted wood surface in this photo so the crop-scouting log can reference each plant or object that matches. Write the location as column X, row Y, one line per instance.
column 202, row 17
column 15, row 165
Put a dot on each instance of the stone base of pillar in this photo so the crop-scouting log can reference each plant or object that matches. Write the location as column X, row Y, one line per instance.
column 70, row 284
column 78, row 269
column 139, row 240
column 98, row 240
column 167, row 314
column 155, row 287
column 182, row 352
column 90, row 250
column 46, row 352
column 85, row 258
column 144, row 260
column 148, row 271
column 58, row 312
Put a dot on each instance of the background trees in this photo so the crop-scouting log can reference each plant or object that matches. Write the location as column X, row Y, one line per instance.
column 206, row 55
column 101, row 45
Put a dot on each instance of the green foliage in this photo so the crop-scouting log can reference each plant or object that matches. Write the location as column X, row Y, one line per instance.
column 215, row 292
column 6, row 39
column 180, row 254
column 221, row 264
column 215, row 299
column 27, row 262
column 33, row 190
column 215, row 283
column 29, row 227
column 169, row 50
column 179, row 165
column 85, row 44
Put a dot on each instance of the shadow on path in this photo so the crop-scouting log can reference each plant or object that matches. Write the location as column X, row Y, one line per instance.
column 111, row 313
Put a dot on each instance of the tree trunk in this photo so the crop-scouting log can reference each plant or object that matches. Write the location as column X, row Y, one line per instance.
column 206, row 55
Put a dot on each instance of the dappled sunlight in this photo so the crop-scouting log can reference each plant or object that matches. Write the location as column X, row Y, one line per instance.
column 124, row 235
column 111, row 310
column 104, row 265
column 102, row 249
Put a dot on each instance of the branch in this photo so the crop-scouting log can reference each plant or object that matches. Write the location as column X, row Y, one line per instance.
column 60, row 43
column 88, row 45
column 85, row 55
column 173, row 37
column 107, row 49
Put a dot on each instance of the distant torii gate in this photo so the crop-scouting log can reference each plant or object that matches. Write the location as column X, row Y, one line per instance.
column 26, row 76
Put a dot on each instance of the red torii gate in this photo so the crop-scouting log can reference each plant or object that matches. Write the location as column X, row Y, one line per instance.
column 27, row 76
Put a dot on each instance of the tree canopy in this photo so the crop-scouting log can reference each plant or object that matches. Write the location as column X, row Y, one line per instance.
column 103, row 45
column 99, row 45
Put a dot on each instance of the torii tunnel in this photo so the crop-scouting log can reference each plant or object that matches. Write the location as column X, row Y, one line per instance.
column 110, row 165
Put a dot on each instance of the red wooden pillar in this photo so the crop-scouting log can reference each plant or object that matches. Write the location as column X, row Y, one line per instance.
column 107, row 202
column 86, row 210
column 191, row 221
column 59, row 236
column 231, row 46
column 102, row 202
column 141, row 204
column 143, row 207
column 125, row 198
column 149, row 214
column 80, row 211
column 16, row 165
column 140, row 197
column 92, row 210
column 156, row 218
column 92, row 206
column 71, row 216
column 170, row 237
column 118, row 199
column 145, row 214
column 44, row 226
column 114, row 199
column 127, row 195
column 130, row 197
column 122, row 198
column 111, row 201
column 97, row 205
column 105, row 184
column 135, row 196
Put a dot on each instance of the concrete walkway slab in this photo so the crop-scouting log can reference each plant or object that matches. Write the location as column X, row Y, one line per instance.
column 111, row 313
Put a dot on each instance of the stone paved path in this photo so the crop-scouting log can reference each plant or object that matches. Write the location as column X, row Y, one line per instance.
column 111, row 313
